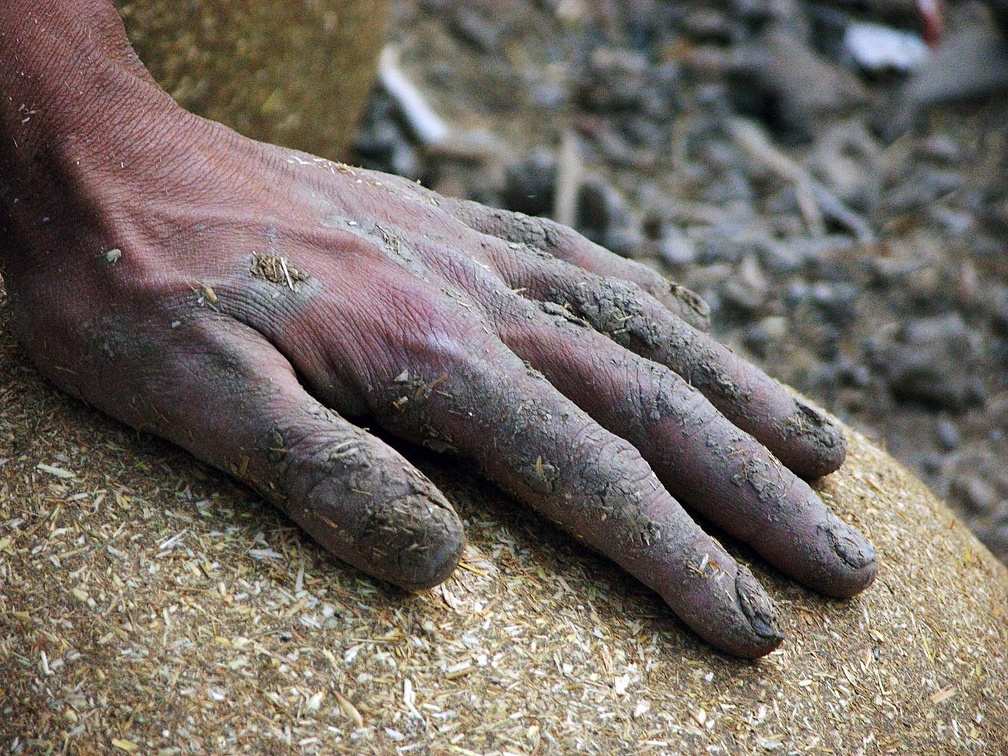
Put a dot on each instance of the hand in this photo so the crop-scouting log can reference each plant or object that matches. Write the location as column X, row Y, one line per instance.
column 243, row 300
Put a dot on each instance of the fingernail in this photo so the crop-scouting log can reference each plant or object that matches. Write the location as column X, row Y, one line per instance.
column 820, row 442
column 426, row 550
column 757, row 606
column 698, row 312
column 810, row 422
column 850, row 545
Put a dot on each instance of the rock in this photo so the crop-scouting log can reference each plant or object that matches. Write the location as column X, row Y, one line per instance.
column 956, row 223
column 807, row 88
column 748, row 289
column 675, row 248
column 970, row 63
column 877, row 48
column 929, row 361
column 836, row 301
column 380, row 141
column 474, row 27
column 997, row 306
column 846, row 157
column 974, row 494
column 796, row 292
column 853, row 374
column 924, row 186
column 731, row 242
column 978, row 486
column 760, row 336
column 529, row 184
column 706, row 24
column 948, row 435
column 601, row 208
column 940, row 148
column 614, row 80
column 781, row 257
column 626, row 241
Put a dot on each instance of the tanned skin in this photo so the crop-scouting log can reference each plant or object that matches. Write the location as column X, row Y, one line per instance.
column 243, row 300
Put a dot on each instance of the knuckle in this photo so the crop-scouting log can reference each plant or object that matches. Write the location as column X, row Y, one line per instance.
column 607, row 456
column 619, row 487
column 429, row 328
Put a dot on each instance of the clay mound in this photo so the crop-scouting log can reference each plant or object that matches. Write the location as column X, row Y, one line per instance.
column 149, row 605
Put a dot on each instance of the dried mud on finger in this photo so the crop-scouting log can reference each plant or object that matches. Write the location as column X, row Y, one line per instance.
column 149, row 605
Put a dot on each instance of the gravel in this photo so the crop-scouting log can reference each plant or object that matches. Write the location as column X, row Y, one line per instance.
column 904, row 335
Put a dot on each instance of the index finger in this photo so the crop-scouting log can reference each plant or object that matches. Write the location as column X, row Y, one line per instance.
column 569, row 246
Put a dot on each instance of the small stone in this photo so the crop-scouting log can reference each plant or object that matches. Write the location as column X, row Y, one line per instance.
column 931, row 362
column 782, row 257
column 796, row 292
column 600, row 208
column 940, row 148
column 836, row 302
column 676, row 248
column 749, row 288
column 975, row 494
column 956, row 223
column 626, row 241
column 529, row 184
column 615, row 80
column 931, row 464
column 854, row 375
column 948, row 435
column 997, row 306
column 475, row 28
column 759, row 337
column 716, row 246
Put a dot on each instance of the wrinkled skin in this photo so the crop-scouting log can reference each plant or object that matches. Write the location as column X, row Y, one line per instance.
column 243, row 300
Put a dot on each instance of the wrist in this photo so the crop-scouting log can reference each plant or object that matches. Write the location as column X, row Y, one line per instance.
column 63, row 62
column 76, row 108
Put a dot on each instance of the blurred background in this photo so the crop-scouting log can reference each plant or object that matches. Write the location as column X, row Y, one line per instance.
column 830, row 177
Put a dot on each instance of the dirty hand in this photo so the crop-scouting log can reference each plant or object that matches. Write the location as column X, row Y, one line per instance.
column 244, row 300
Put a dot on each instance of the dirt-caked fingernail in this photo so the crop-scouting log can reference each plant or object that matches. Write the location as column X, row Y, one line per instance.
column 810, row 422
column 819, row 445
column 852, row 547
column 695, row 310
column 422, row 541
column 757, row 607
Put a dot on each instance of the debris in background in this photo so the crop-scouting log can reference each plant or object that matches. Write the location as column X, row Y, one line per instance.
column 875, row 47
column 432, row 131
column 772, row 236
column 970, row 63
